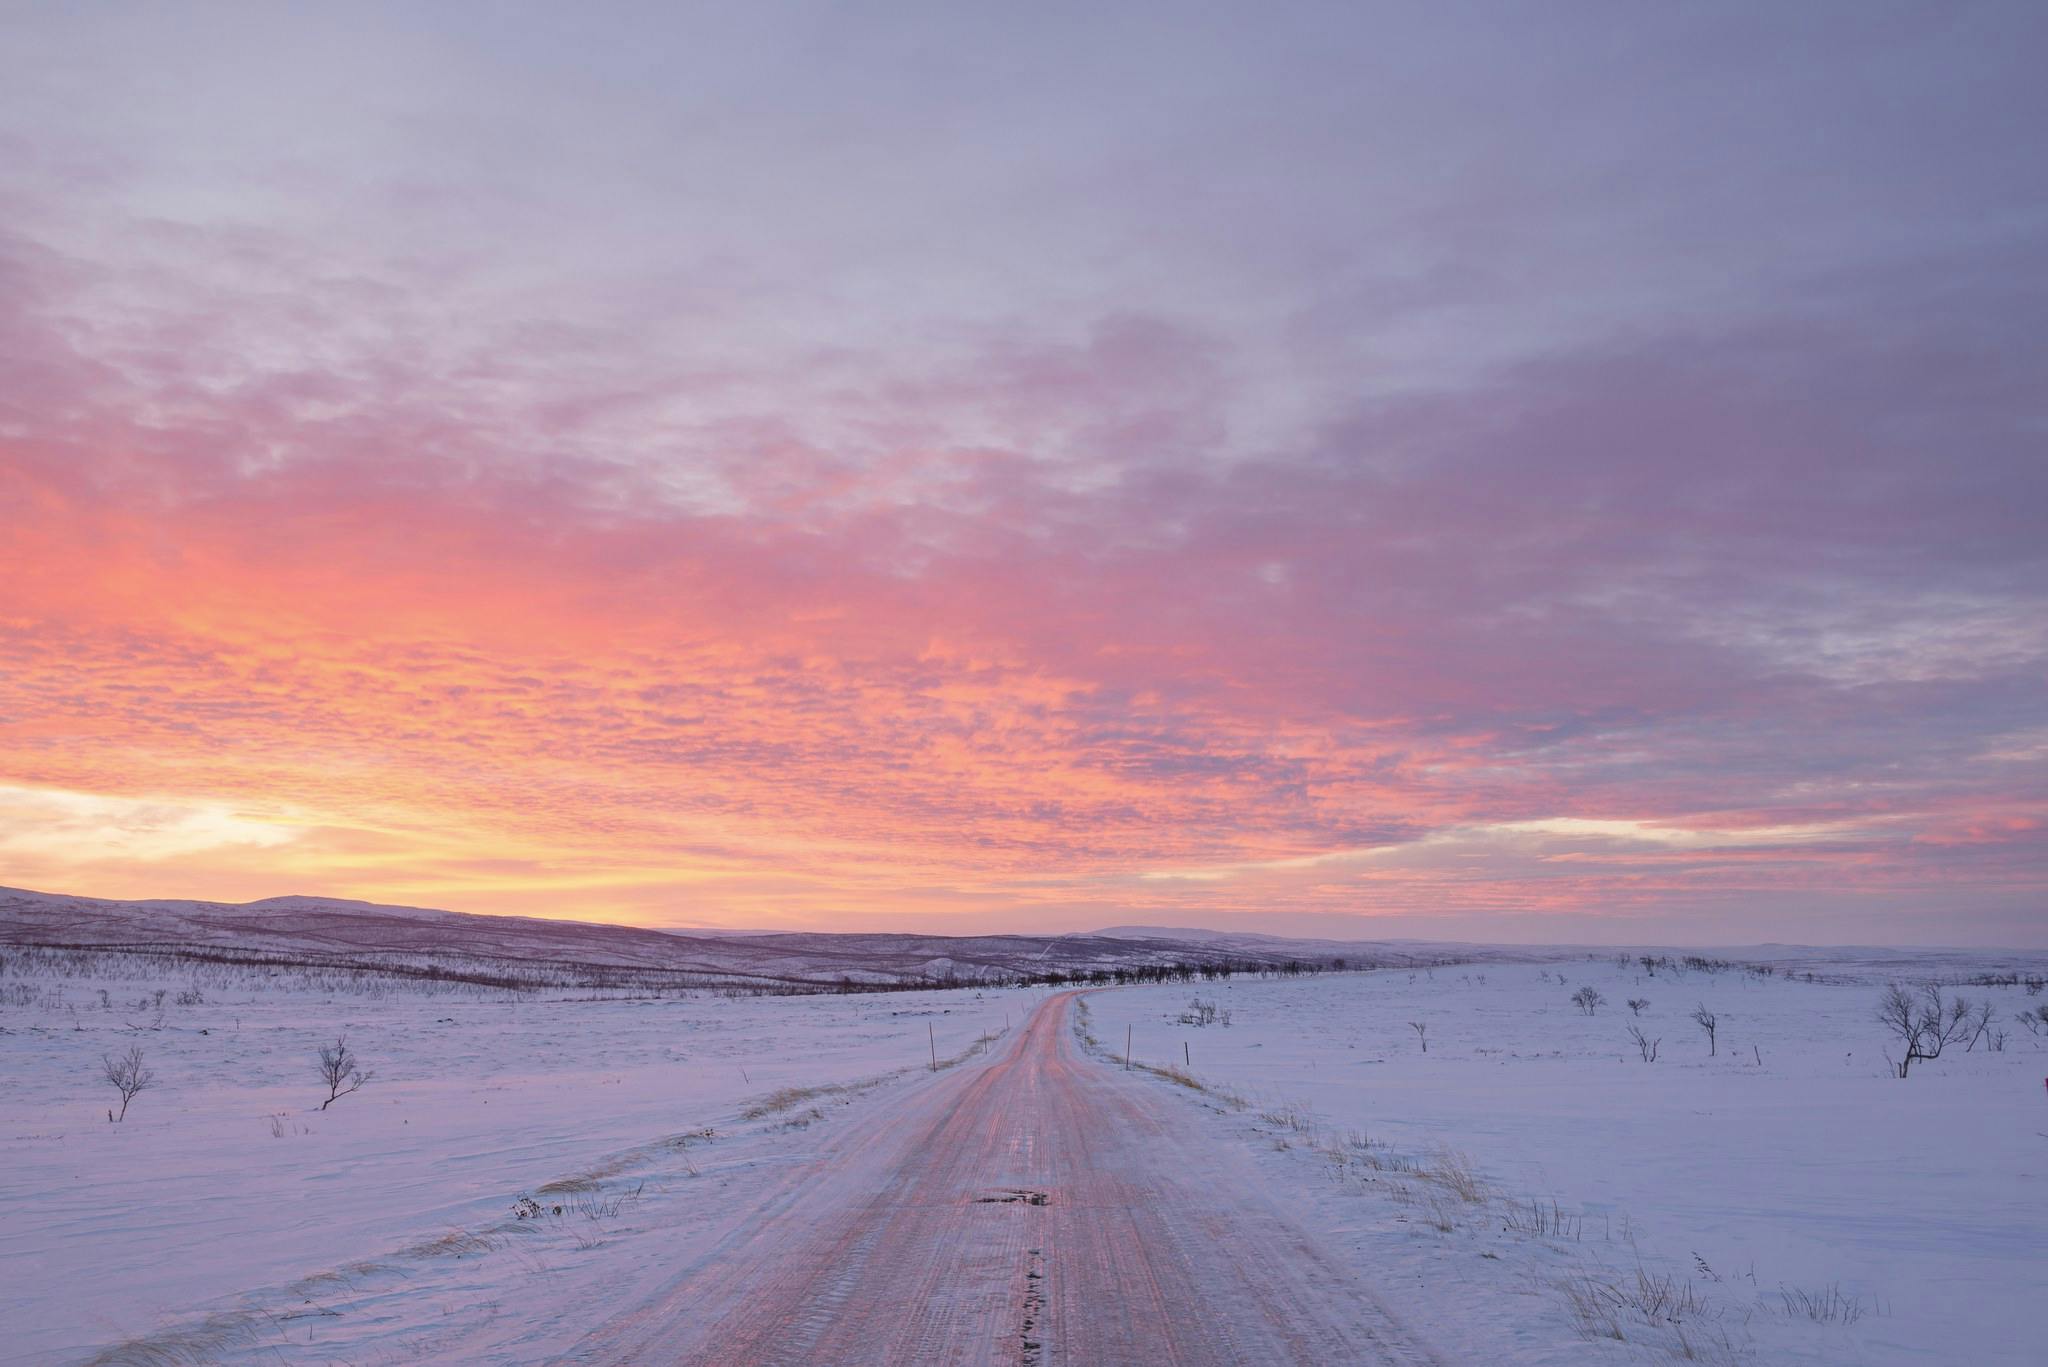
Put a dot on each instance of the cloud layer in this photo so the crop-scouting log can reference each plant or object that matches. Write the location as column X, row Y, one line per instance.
column 1191, row 475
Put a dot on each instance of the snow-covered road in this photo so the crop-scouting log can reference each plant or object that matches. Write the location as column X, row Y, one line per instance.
column 1033, row 1208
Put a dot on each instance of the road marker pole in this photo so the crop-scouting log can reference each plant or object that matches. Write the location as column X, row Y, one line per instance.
column 933, row 1034
column 1127, row 1048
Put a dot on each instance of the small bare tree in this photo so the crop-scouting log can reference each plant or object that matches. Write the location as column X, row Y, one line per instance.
column 1980, row 1024
column 1923, row 1023
column 1421, row 1029
column 1588, row 1000
column 128, row 1077
column 339, row 1071
column 1636, row 1005
column 2036, row 1021
column 1645, row 1046
column 1707, row 1021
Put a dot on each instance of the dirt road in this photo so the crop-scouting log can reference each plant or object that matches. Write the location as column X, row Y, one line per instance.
column 1034, row 1208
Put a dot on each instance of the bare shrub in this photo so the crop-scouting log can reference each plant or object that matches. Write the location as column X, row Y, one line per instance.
column 339, row 1070
column 128, row 1077
column 1645, row 1046
column 1421, row 1029
column 1200, row 1013
column 1636, row 1005
column 1709, row 1022
column 1922, row 1022
column 1979, row 1023
column 1588, row 999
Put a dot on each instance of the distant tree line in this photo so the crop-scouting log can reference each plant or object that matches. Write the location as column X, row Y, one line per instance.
column 371, row 973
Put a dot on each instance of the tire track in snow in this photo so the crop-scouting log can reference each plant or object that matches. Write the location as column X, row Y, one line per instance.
column 1038, row 1209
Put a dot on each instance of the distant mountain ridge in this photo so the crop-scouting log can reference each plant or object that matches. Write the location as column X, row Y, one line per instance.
column 518, row 950
column 522, row 951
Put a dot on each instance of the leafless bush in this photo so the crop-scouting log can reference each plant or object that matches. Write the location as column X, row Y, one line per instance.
column 1421, row 1029
column 1709, row 1022
column 1923, row 1023
column 128, row 1077
column 1636, row 1005
column 1201, row 1013
column 1979, row 1023
column 2036, row 1020
column 1645, row 1046
column 1588, row 1000
column 339, row 1070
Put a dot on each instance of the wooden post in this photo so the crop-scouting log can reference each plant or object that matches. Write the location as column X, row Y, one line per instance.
column 1185, row 1056
column 935, row 1045
column 1127, row 1048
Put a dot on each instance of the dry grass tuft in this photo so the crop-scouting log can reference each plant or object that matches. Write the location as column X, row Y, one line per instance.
column 783, row 1098
column 1825, row 1306
column 1535, row 1220
column 453, row 1244
column 205, row 1342
column 1453, row 1172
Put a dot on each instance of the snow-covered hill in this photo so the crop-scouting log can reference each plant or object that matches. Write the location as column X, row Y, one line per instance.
column 518, row 951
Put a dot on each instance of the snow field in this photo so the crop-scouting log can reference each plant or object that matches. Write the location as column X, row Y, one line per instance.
column 228, row 1216
column 1535, row 1191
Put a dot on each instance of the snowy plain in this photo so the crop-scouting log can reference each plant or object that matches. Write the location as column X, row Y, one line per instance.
column 523, row 1164
column 1819, row 1209
column 228, row 1218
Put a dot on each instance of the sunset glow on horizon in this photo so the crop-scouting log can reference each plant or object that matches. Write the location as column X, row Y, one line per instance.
column 926, row 475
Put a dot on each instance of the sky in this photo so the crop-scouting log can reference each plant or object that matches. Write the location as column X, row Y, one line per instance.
column 1535, row 473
